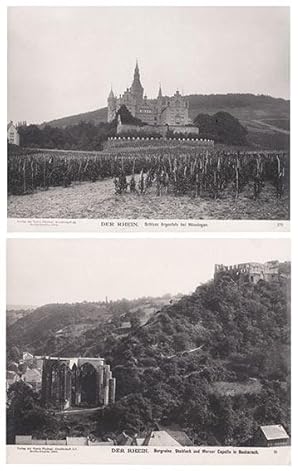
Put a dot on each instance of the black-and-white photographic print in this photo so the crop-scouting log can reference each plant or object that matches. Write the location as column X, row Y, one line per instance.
column 148, row 351
column 134, row 116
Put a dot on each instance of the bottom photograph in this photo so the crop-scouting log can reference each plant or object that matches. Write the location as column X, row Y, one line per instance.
column 148, row 350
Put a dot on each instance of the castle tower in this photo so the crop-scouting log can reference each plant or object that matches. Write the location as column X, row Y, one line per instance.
column 136, row 87
column 111, row 106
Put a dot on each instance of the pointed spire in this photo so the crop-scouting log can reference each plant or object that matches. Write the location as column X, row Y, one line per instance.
column 159, row 91
column 111, row 93
column 136, row 70
column 136, row 86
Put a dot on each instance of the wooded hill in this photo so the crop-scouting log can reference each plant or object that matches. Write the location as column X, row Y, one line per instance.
column 64, row 328
column 215, row 363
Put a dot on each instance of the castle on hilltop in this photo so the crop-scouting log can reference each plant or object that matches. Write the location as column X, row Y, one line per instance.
column 250, row 272
column 164, row 110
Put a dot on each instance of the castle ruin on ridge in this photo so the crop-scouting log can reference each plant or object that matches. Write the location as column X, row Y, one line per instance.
column 250, row 272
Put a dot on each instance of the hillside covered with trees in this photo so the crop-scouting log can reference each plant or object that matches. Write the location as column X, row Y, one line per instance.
column 67, row 329
column 215, row 363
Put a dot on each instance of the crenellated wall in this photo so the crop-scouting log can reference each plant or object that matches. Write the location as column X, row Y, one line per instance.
column 166, row 143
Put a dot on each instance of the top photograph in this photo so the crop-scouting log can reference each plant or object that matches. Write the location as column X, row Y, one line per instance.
column 148, row 119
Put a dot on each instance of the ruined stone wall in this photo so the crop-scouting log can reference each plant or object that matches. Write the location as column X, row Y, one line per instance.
column 251, row 271
column 62, row 381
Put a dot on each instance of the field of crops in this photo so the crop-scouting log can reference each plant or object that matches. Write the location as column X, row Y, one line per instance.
column 183, row 170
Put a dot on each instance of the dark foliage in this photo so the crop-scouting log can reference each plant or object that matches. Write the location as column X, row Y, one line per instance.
column 222, row 127
column 126, row 117
column 82, row 136
column 26, row 417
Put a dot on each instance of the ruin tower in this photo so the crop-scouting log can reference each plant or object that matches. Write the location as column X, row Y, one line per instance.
column 250, row 272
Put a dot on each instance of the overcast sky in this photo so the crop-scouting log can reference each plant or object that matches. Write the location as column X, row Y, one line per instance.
column 61, row 61
column 44, row 271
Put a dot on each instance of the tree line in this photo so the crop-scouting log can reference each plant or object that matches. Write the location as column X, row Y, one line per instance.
column 222, row 128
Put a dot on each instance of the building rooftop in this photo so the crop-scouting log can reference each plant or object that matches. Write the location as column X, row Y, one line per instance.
column 160, row 438
column 181, row 437
column 123, row 439
column 274, row 432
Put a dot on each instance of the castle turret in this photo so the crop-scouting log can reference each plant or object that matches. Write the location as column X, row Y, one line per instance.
column 159, row 92
column 111, row 105
column 111, row 95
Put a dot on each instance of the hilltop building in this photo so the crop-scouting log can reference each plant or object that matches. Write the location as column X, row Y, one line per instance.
column 164, row 110
column 250, row 272
column 76, row 381
column 13, row 136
